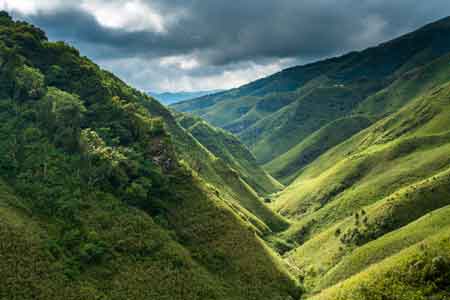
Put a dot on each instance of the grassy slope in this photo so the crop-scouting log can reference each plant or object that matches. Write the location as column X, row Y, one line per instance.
column 353, row 167
column 312, row 110
column 217, row 173
column 33, row 268
column 226, row 146
column 395, row 171
column 145, row 260
column 390, row 244
column 235, row 172
column 241, row 179
column 287, row 166
column 341, row 240
column 420, row 271
column 349, row 200
column 69, row 235
column 406, row 87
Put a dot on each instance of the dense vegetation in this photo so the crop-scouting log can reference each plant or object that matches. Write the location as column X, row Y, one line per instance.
column 99, row 193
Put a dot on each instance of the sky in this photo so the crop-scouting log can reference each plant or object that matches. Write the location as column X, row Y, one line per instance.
column 190, row 45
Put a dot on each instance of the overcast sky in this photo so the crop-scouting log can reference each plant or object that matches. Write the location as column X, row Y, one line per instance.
column 175, row 45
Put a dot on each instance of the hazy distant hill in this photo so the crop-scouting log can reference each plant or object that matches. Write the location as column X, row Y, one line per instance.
column 168, row 98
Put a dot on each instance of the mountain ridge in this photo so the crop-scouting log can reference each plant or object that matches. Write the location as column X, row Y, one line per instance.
column 169, row 98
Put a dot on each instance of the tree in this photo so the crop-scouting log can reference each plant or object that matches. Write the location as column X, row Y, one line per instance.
column 65, row 116
column 29, row 83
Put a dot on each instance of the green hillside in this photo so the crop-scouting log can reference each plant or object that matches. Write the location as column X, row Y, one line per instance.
column 219, row 170
column 229, row 148
column 288, row 165
column 378, row 181
column 419, row 271
column 286, row 108
column 363, row 143
column 96, row 200
column 232, row 169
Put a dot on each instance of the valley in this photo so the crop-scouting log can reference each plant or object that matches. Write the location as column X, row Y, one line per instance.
column 326, row 181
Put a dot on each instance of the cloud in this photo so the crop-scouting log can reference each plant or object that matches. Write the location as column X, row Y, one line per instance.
column 134, row 15
column 166, row 75
column 218, row 41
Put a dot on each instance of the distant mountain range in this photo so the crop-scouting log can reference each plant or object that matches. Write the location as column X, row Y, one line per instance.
column 168, row 98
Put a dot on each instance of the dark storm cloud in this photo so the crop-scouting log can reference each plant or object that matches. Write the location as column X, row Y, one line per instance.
column 80, row 27
column 226, row 36
column 222, row 32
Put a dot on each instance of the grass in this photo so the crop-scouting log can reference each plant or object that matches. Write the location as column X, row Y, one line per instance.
column 221, row 168
column 105, row 194
column 320, row 260
column 420, row 271
column 388, row 245
column 287, row 166
column 402, row 141
column 227, row 147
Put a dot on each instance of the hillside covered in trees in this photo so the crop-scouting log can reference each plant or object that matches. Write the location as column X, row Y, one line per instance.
column 102, row 193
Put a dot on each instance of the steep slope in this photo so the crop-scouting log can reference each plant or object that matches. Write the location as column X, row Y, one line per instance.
column 285, row 108
column 94, row 199
column 363, row 141
column 240, row 176
column 287, row 166
column 418, row 265
column 226, row 146
column 377, row 181
column 218, row 170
